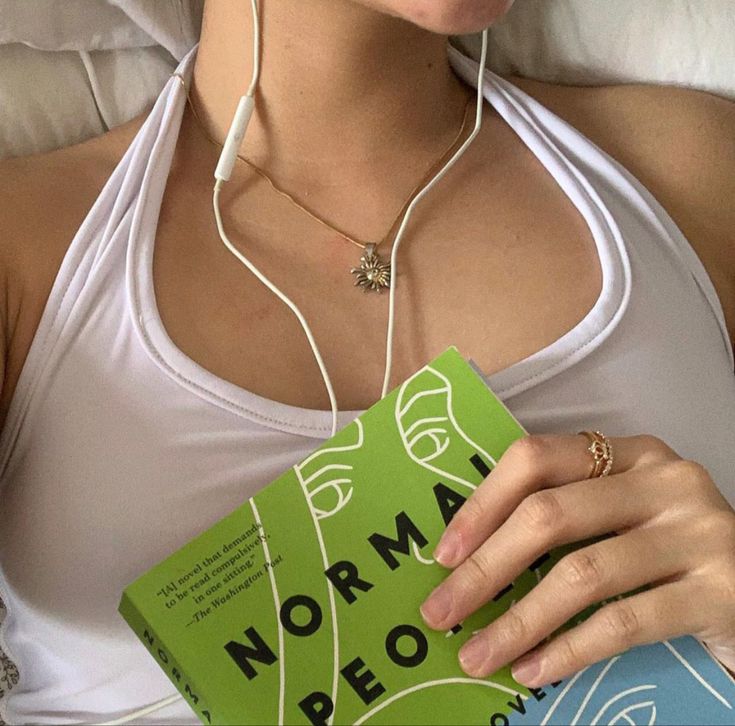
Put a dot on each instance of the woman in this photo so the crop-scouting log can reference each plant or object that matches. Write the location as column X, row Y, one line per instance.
column 163, row 383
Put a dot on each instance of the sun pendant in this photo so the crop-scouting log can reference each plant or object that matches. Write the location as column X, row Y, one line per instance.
column 373, row 273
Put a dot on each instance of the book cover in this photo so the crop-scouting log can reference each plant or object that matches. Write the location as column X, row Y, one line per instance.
column 302, row 605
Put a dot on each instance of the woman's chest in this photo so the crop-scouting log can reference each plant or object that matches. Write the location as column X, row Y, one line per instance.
column 500, row 269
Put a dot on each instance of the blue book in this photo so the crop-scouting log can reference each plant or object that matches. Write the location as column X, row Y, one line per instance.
column 673, row 682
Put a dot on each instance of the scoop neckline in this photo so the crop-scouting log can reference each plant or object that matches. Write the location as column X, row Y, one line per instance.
column 518, row 110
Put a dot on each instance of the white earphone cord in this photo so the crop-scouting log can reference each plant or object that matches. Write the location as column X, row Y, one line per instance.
column 238, row 130
column 222, row 174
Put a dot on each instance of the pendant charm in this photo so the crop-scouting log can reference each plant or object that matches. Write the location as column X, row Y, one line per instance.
column 373, row 273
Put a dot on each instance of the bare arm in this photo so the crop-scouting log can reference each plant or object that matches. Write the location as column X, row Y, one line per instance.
column 3, row 336
column 43, row 201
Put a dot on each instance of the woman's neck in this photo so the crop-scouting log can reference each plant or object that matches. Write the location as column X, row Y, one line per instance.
column 347, row 96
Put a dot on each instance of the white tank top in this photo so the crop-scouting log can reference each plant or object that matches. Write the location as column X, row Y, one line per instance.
column 118, row 448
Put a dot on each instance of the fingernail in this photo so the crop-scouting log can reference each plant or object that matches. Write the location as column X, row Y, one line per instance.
column 447, row 550
column 473, row 656
column 437, row 607
column 527, row 670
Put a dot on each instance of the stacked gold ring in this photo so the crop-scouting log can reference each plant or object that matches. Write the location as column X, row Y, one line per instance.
column 602, row 453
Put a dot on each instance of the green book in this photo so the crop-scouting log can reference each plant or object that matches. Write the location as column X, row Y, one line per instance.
column 302, row 605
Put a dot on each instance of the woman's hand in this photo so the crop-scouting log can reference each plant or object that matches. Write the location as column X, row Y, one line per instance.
column 673, row 530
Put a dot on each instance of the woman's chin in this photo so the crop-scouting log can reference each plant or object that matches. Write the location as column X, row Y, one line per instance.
column 451, row 17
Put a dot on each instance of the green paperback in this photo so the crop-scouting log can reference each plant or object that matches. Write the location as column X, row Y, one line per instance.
column 302, row 605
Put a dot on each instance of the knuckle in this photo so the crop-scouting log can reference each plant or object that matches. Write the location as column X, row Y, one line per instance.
column 719, row 526
column 727, row 585
column 478, row 569
column 656, row 449
column 685, row 472
column 583, row 570
column 542, row 510
column 694, row 471
column 515, row 626
column 470, row 513
column 566, row 653
column 621, row 623
column 529, row 454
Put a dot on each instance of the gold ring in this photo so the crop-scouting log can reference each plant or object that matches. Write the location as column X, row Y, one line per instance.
column 602, row 453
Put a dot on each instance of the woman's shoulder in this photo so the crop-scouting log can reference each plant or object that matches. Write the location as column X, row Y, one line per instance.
column 680, row 143
column 650, row 129
column 637, row 114
column 44, row 199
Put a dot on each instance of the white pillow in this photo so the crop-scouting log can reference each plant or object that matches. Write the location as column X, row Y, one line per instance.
column 101, row 24
column 52, row 99
column 72, row 69
column 597, row 42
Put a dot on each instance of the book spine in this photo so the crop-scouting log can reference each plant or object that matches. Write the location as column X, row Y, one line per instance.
column 165, row 659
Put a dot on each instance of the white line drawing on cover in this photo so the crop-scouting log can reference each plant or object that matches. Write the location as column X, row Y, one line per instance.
column 560, row 697
column 438, row 436
column 317, row 513
column 636, row 706
column 590, row 692
column 333, row 485
column 596, row 718
column 624, row 714
column 697, row 675
column 277, row 602
column 417, row 554
column 593, row 688
column 433, row 684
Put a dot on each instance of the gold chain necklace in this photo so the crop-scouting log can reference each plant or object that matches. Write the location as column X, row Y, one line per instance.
column 373, row 273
